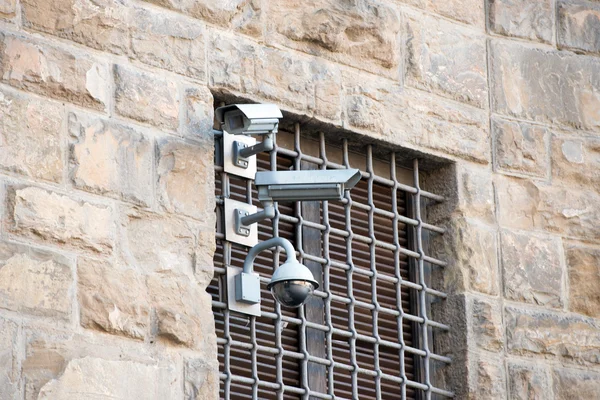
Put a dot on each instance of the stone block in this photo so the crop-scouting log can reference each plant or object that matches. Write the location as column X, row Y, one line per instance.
column 468, row 11
column 486, row 379
column 523, row 86
column 153, row 242
column 54, row 72
column 576, row 162
column 525, row 204
column 112, row 299
column 106, row 157
column 575, row 384
column 306, row 84
column 527, row 19
column 8, row 9
column 201, row 379
column 35, row 282
column 566, row 338
column 521, row 148
column 30, row 133
column 578, row 25
column 446, row 59
column 183, row 311
column 528, row 382
column 113, row 380
column 417, row 118
column 583, row 268
column 532, row 269
column 360, row 33
column 9, row 370
column 186, row 179
column 198, row 118
column 240, row 15
column 476, row 193
column 487, row 329
column 146, row 98
column 58, row 219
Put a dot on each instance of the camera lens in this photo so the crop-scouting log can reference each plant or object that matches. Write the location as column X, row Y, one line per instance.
column 292, row 293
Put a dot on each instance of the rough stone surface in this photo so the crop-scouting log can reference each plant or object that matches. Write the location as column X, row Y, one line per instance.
column 146, row 98
column 240, row 15
column 359, row 33
column 53, row 72
column 30, row 136
column 487, row 380
column 578, row 25
column 201, row 380
column 112, row 299
column 528, row 382
column 532, row 269
column 518, row 90
column 487, row 325
column 467, row 11
column 575, row 384
column 186, row 180
column 9, row 378
column 447, row 59
column 521, row 148
column 198, row 115
column 583, row 268
column 100, row 378
column 527, row 19
column 566, row 338
column 576, row 162
column 35, row 282
column 110, row 158
column 61, row 220
column 304, row 83
column 8, row 9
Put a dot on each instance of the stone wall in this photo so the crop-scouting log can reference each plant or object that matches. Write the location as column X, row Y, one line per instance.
column 106, row 158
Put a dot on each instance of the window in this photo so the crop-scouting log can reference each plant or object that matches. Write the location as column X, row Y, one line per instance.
column 367, row 332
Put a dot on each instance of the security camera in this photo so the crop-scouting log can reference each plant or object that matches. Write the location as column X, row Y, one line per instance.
column 292, row 284
column 286, row 186
column 249, row 119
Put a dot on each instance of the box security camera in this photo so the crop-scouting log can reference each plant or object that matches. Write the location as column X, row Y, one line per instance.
column 249, row 119
column 287, row 186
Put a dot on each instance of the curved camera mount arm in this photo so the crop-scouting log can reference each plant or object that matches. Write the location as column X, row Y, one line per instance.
column 267, row 244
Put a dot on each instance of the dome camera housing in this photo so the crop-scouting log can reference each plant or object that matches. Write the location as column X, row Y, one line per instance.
column 292, row 284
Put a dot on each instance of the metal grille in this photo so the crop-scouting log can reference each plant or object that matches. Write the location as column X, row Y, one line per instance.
column 367, row 333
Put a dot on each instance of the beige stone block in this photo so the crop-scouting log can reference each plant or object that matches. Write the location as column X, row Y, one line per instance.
column 486, row 379
column 360, row 33
column 562, row 337
column 109, row 158
column 198, row 118
column 53, row 72
column 201, row 379
column 183, row 311
column 9, row 370
column 578, row 25
column 527, row 19
column 528, row 382
column 8, row 9
column 575, row 384
column 61, row 220
column 153, row 242
column 446, row 59
column 186, row 179
column 204, row 268
column 240, row 15
column 487, row 328
column 583, row 267
column 532, row 269
column 468, row 11
column 112, row 298
column 146, row 98
column 35, row 282
column 521, row 148
column 476, row 193
column 30, row 136
column 523, row 86
column 113, row 380
column 576, row 162
column 416, row 119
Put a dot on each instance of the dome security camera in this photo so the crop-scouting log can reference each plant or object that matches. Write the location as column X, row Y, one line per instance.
column 292, row 284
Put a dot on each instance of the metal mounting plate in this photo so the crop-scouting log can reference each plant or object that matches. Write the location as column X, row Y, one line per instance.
column 231, row 234
column 229, row 158
column 232, row 303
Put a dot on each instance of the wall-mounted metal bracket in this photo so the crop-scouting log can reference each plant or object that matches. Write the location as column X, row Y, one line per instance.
column 242, row 153
column 234, row 291
column 235, row 232
column 235, row 160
